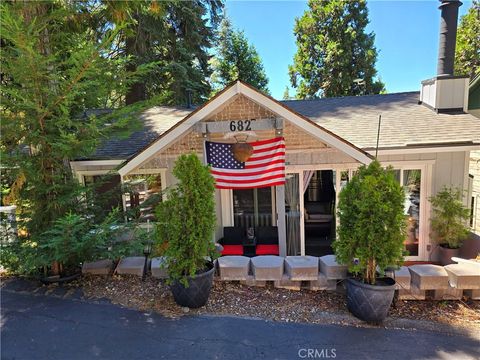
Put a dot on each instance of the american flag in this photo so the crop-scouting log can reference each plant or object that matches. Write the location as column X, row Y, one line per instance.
column 266, row 166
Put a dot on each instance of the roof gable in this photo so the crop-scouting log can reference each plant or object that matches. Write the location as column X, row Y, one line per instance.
column 223, row 99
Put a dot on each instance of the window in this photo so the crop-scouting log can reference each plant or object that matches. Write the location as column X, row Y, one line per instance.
column 142, row 194
column 252, row 207
column 106, row 193
column 412, row 188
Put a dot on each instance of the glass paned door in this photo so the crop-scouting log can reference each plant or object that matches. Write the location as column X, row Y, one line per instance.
column 412, row 188
column 293, row 213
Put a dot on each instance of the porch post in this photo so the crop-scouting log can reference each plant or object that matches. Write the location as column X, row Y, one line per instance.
column 282, row 229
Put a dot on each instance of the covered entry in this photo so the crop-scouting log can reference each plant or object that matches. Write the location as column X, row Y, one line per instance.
column 294, row 214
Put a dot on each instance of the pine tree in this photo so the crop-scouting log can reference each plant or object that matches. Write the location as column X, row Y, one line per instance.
column 286, row 94
column 467, row 57
column 237, row 60
column 53, row 68
column 176, row 35
column 334, row 50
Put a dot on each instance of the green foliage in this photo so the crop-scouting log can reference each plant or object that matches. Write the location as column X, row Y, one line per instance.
column 450, row 217
column 333, row 50
column 186, row 220
column 467, row 54
column 72, row 240
column 237, row 60
column 176, row 35
column 54, row 68
column 372, row 222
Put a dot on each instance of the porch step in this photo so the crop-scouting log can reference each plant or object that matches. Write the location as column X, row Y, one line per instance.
column 158, row 269
column 429, row 277
column 233, row 267
column 100, row 267
column 464, row 276
column 133, row 265
column 300, row 268
column 267, row 267
column 331, row 269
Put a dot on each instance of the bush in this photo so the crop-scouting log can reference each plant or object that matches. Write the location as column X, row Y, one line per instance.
column 372, row 222
column 74, row 239
column 186, row 220
column 449, row 217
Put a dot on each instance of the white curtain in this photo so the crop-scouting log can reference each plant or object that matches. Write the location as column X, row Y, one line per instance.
column 307, row 176
column 293, row 214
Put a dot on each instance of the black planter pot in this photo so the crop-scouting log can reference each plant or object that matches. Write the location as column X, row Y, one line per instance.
column 370, row 303
column 197, row 293
column 446, row 254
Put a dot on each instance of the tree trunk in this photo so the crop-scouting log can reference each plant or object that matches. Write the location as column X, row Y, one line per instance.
column 135, row 48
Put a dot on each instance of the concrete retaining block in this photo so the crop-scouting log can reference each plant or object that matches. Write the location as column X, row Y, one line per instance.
column 472, row 294
column 429, row 277
column 267, row 267
column 413, row 293
column 331, row 269
column 250, row 281
column 447, row 294
column 322, row 283
column 402, row 278
column 158, row 268
column 134, row 265
column 287, row 283
column 233, row 267
column 100, row 267
column 301, row 268
column 464, row 276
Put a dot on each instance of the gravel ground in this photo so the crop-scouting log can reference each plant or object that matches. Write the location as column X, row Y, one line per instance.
column 231, row 298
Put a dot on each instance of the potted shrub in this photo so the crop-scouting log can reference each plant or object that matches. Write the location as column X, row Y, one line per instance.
column 185, row 225
column 370, row 239
column 449, row 221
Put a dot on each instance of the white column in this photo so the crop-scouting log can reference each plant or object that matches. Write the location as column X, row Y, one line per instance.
column 282, row 229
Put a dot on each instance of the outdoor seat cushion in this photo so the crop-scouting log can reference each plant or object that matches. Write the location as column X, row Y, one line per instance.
column 267, row 250
column 233, row 235
column 232, row 250
column 267, row 235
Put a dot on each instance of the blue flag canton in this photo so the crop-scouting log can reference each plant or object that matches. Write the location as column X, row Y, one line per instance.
column 221, row 156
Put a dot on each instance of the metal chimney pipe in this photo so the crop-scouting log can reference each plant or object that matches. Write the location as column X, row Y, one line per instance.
column 448, row 36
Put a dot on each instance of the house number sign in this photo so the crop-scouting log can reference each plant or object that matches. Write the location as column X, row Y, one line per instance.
column 239, row 125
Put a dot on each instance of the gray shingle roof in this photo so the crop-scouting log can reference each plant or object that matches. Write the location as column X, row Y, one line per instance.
column 156, row 121
column 355, row 118
column 404, row 121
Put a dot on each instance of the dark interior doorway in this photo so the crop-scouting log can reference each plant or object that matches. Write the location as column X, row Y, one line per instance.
column 319, row 216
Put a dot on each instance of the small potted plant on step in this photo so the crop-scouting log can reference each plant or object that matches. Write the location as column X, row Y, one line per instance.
column 185, row 226
column 449, row 221
column 370, row 238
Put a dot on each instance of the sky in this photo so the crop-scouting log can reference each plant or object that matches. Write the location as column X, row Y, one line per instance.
column 406, row 37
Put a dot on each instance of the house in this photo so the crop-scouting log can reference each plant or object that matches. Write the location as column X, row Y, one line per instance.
column 474, row 109
column 425, row 136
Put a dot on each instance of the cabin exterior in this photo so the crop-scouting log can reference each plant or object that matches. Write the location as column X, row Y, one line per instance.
column 326, row 140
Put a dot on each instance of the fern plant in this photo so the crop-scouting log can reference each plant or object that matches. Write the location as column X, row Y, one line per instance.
column 186, row 220
column 450, row 217
column 372, row 222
